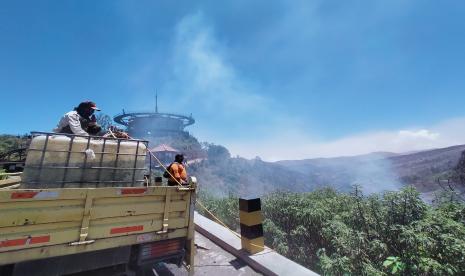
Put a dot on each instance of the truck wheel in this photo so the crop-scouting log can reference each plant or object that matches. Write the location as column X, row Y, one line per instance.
column 140, row 272
column 7, row 270
column 126, row 272
column 143, row 271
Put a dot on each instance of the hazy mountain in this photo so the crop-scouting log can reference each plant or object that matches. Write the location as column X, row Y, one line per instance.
column 248, row 178
column 375, row 172
column 381, row 171
column 372, row 171
column 422, row 169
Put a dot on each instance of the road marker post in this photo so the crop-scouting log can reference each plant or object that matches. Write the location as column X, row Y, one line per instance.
column 251, row 219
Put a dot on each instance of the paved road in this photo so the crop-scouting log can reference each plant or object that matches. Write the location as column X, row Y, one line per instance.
column 210, row 259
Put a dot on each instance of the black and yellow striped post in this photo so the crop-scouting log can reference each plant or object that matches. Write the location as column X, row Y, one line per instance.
column 251, row 218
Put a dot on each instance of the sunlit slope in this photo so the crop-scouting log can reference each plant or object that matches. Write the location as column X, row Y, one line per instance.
column 244, row 177
column 381, row 171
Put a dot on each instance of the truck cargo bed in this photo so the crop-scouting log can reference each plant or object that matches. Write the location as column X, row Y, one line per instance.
column 43, row 223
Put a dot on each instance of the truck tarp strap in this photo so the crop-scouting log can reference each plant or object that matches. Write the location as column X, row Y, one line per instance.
column 86, row 217
column 166, row 213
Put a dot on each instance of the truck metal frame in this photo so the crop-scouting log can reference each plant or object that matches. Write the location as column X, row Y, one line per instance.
column 85, row 168
column 39, row 224
column 45, row 223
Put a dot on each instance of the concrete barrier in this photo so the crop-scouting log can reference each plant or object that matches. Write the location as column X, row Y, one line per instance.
column 267, row 262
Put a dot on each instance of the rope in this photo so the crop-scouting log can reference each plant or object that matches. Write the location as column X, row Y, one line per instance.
column 164, row 168
column 227, row 227
column 198, row 202
column 159, row 162
column 216, row 218
column 111, row 132
column 203, row 206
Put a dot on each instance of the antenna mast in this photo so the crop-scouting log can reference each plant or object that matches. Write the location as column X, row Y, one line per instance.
column 156, row 101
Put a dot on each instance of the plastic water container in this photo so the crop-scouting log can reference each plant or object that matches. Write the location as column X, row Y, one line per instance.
column 64, row 161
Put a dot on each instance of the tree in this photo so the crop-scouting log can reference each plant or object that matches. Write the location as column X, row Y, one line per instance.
column 11, row 142
column 104, row 121
column 216, row 153
column 459, row 171
column 335, row 233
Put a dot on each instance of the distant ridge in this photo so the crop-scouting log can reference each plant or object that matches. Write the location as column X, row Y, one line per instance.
column 421, row 169
column 375, row 172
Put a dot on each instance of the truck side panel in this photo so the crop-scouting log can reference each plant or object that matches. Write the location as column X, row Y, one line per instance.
column 53, row 222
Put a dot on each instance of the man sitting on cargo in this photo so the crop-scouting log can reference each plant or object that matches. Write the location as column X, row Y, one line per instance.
column 178, row 174
column 80, row 121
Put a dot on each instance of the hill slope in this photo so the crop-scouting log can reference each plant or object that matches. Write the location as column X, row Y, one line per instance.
column 239, row 176
column 422, row 169
column 381, row 171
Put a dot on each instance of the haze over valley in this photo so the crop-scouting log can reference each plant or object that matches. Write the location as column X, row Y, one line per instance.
column 376, row 172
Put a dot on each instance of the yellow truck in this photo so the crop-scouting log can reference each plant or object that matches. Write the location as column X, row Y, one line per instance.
column 93, row 225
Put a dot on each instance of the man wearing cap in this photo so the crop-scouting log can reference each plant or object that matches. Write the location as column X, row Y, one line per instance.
column 80, row 121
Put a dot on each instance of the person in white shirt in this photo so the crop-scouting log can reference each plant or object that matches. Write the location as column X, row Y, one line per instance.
column 80, row 121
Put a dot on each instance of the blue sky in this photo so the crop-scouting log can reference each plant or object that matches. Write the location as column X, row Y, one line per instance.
column 279, row 79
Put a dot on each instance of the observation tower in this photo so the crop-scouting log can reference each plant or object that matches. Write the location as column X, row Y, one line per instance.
column 154, row 124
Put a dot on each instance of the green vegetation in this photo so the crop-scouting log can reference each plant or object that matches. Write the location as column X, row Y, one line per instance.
column 227, row 209
column 3, row 175
column 11, row 142
column 334, row 233
column 216, row 153
column 105, row 121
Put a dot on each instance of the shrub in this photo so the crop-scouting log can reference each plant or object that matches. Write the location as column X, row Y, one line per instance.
column 394, row 233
